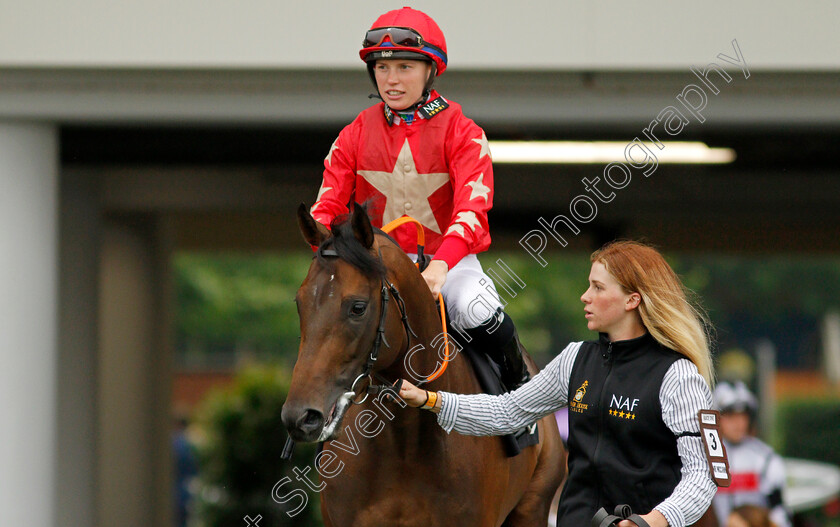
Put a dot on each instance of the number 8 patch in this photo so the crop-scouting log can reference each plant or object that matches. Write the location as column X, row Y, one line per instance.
column 713, row 447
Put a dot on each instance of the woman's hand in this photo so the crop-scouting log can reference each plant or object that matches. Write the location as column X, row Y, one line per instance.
column 435, row 275
column 654, row 519
column 414, row 396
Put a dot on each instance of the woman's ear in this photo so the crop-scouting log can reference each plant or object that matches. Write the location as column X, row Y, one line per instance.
column 633, row 301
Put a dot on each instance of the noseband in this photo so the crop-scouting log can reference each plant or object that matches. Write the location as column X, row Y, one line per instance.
column 387, row 290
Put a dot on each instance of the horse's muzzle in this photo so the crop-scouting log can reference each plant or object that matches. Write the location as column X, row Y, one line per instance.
column 304, row 424
column 308, row 424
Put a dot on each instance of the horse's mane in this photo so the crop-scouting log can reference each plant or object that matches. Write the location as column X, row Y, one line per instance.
column 348, row 248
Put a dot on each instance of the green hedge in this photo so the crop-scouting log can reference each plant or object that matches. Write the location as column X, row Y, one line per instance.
column 240, row 468
column 808, row 428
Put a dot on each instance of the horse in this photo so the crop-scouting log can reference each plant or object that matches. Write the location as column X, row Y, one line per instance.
column 366, row 311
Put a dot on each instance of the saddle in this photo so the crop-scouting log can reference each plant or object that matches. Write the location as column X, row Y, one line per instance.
column 490, row 380
column 622, row 512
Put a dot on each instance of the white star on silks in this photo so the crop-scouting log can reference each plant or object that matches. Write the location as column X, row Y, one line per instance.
column 479, row 189
column 469, row 219
column 456, row 228
column 328, row 159
column 485, row 146
column 404, row 185
column 321, row 192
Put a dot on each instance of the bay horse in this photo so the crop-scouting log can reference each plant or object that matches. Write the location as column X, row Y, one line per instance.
column 383, row 464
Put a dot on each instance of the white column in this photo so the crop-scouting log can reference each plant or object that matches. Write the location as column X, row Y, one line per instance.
column 28, row 322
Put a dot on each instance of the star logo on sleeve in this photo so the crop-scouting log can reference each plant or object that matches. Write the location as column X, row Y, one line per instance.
column 467, row 218
column 328, row 159
column 321, row 191
column 485, row 146
column 479, row 189
column 406, row 191
column 456, row 228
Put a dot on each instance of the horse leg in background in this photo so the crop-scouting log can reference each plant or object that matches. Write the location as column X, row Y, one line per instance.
column 533, row 507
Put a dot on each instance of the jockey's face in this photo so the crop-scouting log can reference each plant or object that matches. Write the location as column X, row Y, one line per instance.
column 734, row 426
column 401, row 81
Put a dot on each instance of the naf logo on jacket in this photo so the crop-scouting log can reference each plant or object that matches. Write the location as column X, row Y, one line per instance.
column 623, row 407
column 433, row 108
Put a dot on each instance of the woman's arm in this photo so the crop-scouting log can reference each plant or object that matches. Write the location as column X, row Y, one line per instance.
column 682, row 395
column 503, row 414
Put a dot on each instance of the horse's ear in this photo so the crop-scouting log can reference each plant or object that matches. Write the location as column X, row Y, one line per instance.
column 313, row 232
column 362, row 229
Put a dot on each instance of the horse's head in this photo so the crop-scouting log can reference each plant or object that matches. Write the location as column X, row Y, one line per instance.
column 340, row 305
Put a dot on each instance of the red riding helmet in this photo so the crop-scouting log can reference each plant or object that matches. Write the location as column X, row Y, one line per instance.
column 408, row 34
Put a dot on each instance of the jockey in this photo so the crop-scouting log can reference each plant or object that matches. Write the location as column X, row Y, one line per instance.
column 758, row 473
column 416, row 154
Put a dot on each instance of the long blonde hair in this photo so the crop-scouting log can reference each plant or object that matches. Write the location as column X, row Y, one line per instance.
column 666, row 312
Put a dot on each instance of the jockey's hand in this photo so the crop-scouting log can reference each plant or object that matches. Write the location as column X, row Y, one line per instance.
column 654, row 519
column 435, row 275
column 414, row 396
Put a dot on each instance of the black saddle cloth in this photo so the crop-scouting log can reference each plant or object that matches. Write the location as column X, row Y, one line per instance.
column 490, row 380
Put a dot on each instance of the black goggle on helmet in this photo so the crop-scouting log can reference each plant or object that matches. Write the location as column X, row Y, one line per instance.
column 405, row 34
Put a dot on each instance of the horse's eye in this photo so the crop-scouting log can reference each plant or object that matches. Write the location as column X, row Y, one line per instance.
column 358, row 309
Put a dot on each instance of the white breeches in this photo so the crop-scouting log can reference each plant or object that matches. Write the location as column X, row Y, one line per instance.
column 469, row 294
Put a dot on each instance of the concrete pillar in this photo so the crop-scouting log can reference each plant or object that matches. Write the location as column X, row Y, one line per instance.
column 80, row 233
column 28, row 322
column 134, row 459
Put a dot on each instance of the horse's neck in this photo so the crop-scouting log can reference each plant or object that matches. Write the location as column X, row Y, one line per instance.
column 424, row 318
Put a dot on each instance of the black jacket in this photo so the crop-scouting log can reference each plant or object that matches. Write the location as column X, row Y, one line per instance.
column 620, row 450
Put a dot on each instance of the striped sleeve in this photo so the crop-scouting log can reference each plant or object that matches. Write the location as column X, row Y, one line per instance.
column 503, row 414
column 683, row 393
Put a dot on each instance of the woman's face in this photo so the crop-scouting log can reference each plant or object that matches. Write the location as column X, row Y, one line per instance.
column 401, row 81
column 607, row 306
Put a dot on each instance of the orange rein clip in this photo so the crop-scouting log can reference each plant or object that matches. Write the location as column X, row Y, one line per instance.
column 421, row 243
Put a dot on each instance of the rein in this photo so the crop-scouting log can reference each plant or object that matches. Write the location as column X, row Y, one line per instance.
column 387, row 290
column 388, row 287
column 421, row 243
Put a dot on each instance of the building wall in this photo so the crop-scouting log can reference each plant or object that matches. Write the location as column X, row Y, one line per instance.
column 541, row 34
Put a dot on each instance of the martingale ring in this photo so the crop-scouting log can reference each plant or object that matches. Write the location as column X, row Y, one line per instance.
column 353, row 387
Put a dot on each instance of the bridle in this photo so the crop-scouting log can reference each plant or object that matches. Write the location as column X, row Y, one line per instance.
column 387, row 290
